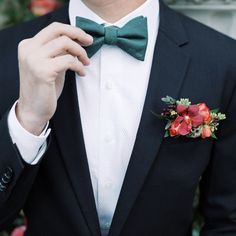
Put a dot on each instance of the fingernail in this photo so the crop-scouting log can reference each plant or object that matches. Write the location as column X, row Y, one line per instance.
column 90, row 38
column 88, row 62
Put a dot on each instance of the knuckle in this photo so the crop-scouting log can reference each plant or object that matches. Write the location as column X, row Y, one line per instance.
column 24, row 43
column 22, row 47
column 58, row 28
column 83, row 52
column 64, row 39
column 55, row 24
column 72, row 61
column 64, row 43
column 55, row 27
column 80, row 31
column 21, row 44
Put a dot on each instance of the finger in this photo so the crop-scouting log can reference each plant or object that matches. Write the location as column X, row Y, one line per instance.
column 64, row 45
column 56, row 29
column 65, row 62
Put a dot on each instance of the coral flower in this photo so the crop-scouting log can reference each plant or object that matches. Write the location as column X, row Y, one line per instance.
column 204, row 111
column 206, row 132
column 188, row 117
column 181, row 126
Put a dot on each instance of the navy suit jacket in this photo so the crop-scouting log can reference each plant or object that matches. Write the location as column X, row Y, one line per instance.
column 156, row 199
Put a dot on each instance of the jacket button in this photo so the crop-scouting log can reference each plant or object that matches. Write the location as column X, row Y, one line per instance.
column 7, row 175
column 8, row 172
column 6, row 178
column 2, row 187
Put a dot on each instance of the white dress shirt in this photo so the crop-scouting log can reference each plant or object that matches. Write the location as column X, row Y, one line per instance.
column 111, row 98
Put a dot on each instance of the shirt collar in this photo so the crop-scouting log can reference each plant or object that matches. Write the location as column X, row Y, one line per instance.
column 78, row 8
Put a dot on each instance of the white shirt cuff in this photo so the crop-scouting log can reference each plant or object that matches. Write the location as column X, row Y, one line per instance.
column 31, row 147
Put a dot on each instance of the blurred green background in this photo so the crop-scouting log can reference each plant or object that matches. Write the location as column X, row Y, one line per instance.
column 16, row 11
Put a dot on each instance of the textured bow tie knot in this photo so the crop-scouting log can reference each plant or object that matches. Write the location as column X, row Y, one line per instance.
column 132, row 37
column 110, row 35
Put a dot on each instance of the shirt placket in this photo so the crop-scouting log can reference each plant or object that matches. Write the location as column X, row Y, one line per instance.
column 107, row 144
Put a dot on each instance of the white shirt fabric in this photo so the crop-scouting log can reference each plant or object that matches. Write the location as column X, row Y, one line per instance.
column 111, row 98
column 31, row 147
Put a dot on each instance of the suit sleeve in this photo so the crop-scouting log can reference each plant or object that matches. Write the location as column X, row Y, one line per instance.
column 218, row 185
column 16, row 177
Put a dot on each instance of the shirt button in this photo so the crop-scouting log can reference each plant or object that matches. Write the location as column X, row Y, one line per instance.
column 107, row 184
column 108, row 138
column 106, row 226
column 109, row 85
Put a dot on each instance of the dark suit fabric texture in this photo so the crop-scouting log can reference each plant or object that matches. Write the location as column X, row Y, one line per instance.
column 190, row 61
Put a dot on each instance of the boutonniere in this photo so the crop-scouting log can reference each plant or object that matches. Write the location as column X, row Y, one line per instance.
column 193, row 121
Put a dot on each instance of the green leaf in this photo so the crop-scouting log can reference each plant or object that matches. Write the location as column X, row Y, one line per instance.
column 215, row 110
column 221, row 116
column 166, row 134
column 161, row 117
column 213, row 136
column 157, row 115
column 184, row 102
column 154, row 113
column 168, row 125
column 168, row 100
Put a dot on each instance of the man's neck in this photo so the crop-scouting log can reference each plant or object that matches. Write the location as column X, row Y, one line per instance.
column 113, row 10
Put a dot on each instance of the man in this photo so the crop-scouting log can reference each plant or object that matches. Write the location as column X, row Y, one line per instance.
column 81, row 151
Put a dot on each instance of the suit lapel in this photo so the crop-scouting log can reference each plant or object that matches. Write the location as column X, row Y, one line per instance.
column 167, row 75
column 66, row 125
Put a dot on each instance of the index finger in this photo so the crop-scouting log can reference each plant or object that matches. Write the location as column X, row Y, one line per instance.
column 56, row 30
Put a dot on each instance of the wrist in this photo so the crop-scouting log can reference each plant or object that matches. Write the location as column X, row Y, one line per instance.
column 33, row 123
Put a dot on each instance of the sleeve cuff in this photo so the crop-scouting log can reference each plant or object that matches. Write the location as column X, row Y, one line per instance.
column 31, row 147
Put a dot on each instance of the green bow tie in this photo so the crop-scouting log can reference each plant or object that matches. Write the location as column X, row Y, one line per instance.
column 132, row 37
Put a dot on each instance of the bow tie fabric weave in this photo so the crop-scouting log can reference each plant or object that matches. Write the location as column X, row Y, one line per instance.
column 132, row 37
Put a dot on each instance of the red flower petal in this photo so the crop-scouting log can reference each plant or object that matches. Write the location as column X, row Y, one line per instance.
column 204, row 111
column 173, row 132
column 181, row 108
column 184, row 128
column 174, row 129
column 197, row 120
column 19, row 231
column 193, row 110
column 178, row 120
column 202, row 106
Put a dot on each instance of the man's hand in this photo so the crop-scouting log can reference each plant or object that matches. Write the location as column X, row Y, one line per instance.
column 43, row 61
